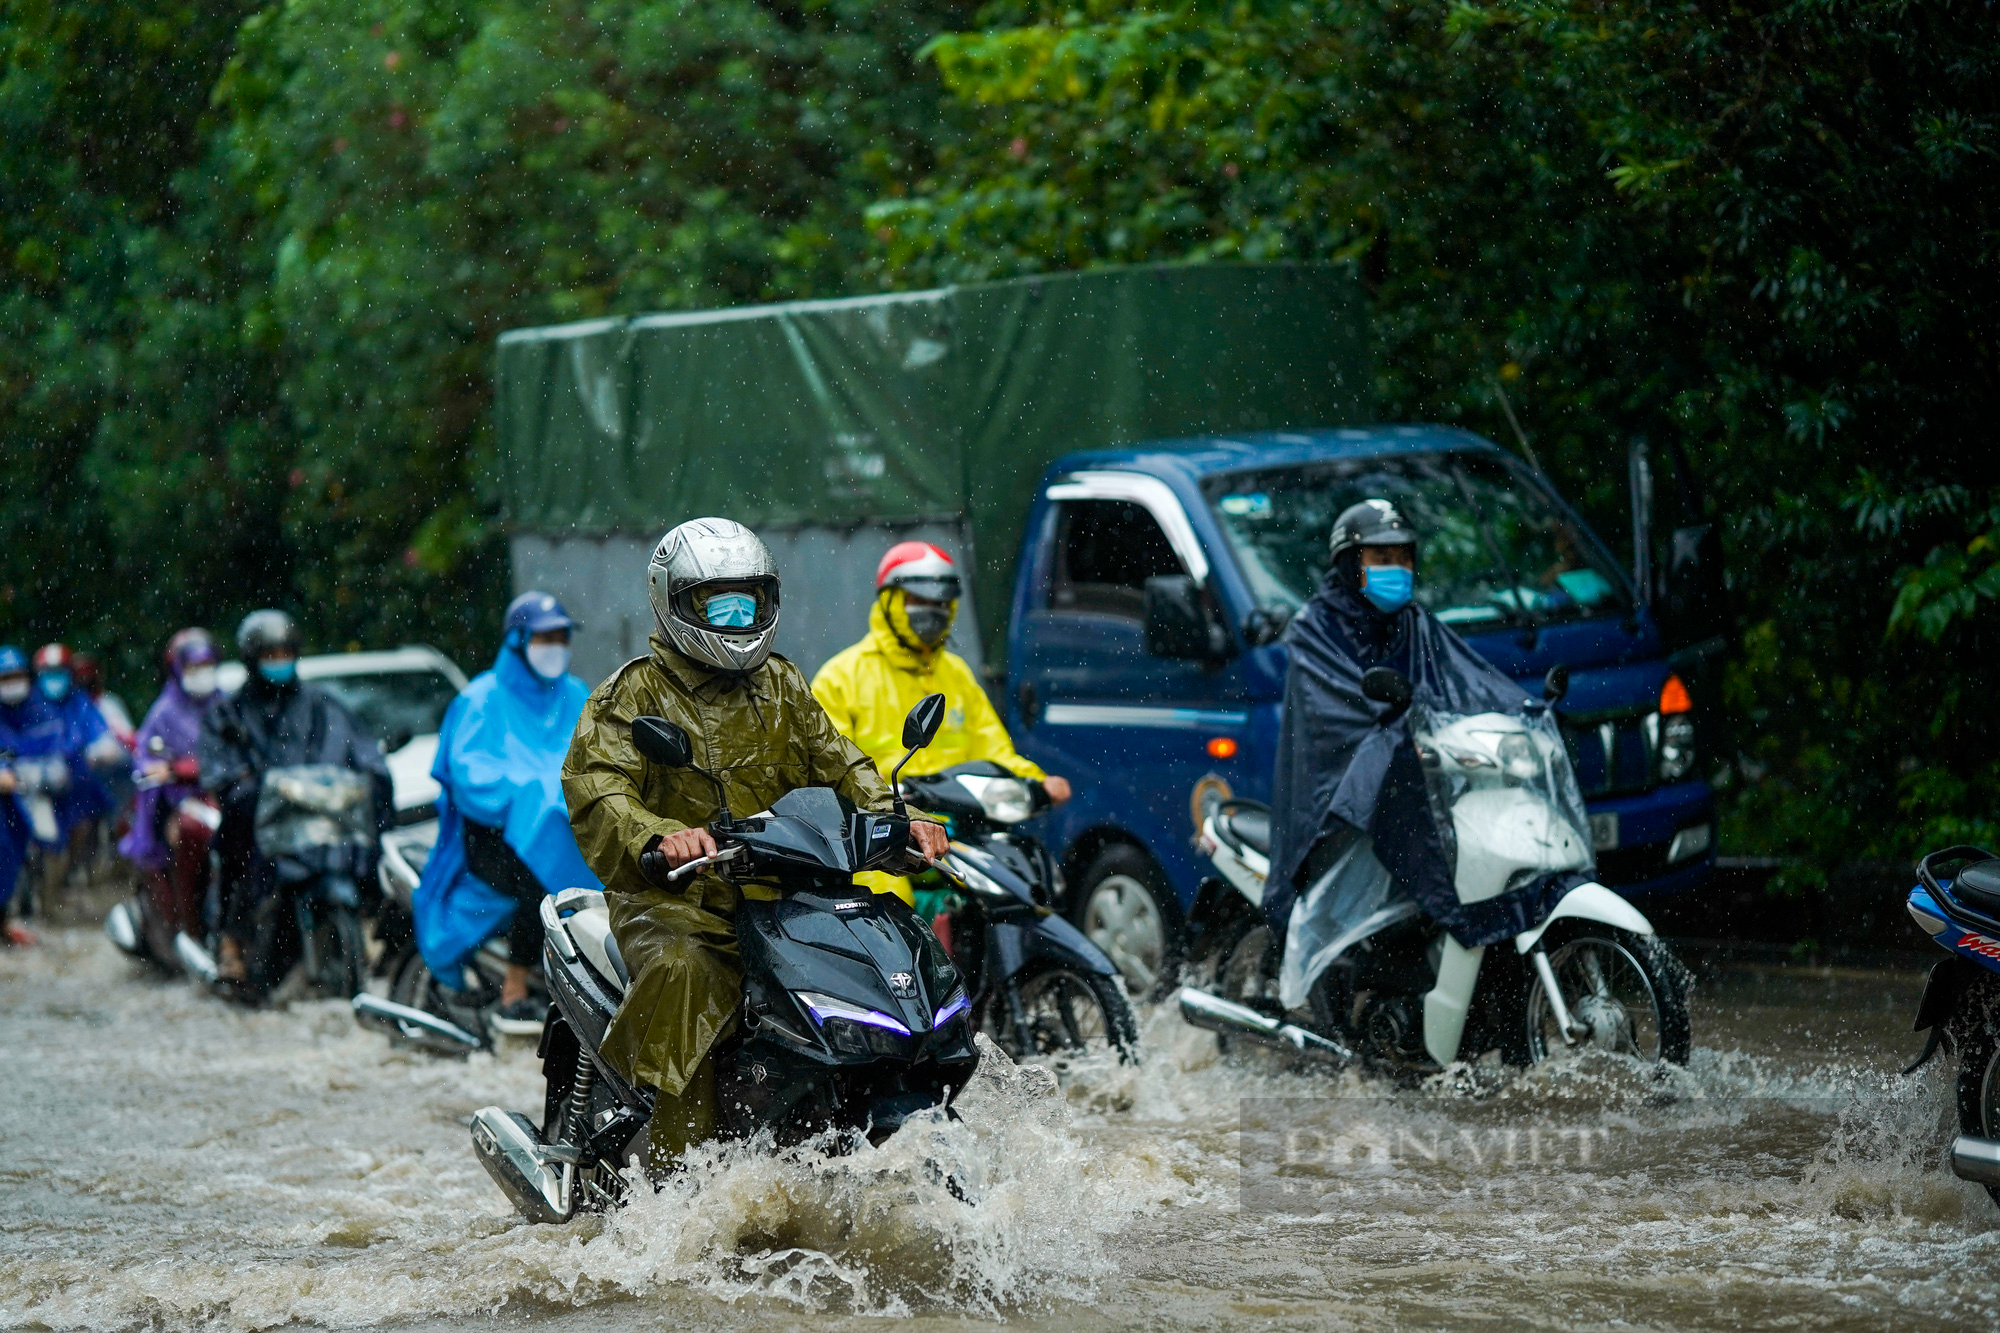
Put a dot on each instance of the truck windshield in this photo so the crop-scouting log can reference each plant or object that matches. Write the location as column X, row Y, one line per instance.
column 1493, row 549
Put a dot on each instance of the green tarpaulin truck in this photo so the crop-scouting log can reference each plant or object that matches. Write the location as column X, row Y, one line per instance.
column 835, row 428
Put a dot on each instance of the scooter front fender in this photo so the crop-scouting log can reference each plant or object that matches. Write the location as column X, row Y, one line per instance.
column 1589, row 902
column 1015, row 945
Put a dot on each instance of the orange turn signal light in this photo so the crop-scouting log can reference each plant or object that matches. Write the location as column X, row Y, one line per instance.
column 1674, row 697
column 1222, row 747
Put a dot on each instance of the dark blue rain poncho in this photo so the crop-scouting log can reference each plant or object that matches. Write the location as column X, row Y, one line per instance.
column 1340, row 771
column 499, row 760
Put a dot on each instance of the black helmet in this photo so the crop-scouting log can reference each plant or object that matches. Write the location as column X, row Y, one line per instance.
column 1370, row 523
column 262, row 631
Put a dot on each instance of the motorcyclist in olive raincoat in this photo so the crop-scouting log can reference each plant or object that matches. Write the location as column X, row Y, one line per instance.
column 868, row 688
column 757, row 727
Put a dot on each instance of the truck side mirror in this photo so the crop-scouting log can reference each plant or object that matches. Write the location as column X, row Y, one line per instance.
column 920, row 728
column 1178, row 624
column 661, row 742
column 1694, row 601
column 1386, row 685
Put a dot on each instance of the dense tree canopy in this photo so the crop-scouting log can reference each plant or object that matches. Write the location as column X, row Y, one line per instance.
column 256, row 256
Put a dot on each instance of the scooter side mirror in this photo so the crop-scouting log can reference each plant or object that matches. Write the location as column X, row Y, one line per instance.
column 661, row 742
column 1555, row 685
column 1386, row 685
column 920, row 728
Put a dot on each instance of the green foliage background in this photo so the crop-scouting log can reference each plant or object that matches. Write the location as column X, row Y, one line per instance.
column 253, row 258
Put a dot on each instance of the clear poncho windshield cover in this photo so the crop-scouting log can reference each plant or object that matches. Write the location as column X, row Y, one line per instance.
column 1414, row 813
column 1510, row 818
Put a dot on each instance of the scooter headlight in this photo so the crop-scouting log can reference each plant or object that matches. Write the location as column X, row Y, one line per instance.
column 1005, row 800
column 852, row 1029
column 1518, row 760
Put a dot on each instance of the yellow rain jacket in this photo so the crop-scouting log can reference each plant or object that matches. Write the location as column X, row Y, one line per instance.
column 869, row 689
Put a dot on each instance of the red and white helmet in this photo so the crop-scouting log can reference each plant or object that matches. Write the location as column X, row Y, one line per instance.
column 54, row 657
column 921, row 570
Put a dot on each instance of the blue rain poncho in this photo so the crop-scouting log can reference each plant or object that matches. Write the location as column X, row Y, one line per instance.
column 499, row 761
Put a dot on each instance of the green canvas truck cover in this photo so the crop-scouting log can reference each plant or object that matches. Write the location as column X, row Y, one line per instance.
column 912, row 406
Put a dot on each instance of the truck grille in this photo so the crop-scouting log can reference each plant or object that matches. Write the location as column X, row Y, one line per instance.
column 1613, row 752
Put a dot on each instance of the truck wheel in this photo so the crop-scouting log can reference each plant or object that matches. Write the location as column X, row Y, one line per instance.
column 1127, row 910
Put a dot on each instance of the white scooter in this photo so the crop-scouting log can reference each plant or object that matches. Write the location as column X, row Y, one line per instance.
column 1363, row 975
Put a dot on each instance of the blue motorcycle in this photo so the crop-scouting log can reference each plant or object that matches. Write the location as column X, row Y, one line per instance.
column 1961, row 1003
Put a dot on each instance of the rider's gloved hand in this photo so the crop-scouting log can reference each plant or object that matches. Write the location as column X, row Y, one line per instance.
column 674, row 851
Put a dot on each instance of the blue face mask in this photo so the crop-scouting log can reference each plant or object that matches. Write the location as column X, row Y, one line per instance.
column 55, row 684
column 279, row 673
column 732, row 610
column 1388, row 586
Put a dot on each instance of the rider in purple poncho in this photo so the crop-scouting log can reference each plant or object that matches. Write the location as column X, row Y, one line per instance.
column 175, row 721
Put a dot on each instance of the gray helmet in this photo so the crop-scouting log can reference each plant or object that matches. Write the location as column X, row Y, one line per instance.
column 707, row 558
column 262, row 631
column 1370, row 523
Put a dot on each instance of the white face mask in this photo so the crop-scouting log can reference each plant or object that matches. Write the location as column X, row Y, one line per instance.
column 549, row 660
column 199, row 682
column 13, row 692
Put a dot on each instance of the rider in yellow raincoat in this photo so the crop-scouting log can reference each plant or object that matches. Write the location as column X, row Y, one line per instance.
column 869, row 688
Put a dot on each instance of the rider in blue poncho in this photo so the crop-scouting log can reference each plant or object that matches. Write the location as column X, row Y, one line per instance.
column 504, row 837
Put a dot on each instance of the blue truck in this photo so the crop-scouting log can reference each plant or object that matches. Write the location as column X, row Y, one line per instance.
column 1143, row 663
column 1140, row 468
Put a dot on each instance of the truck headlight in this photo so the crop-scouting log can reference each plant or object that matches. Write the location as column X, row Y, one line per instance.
column 1676, row 746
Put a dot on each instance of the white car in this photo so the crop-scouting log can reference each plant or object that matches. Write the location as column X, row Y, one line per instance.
column 399, row 695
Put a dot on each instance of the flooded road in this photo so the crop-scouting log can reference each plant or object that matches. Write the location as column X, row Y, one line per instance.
column 166, row 1162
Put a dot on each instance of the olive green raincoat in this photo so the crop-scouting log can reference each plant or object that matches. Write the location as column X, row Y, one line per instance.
column 763, row 734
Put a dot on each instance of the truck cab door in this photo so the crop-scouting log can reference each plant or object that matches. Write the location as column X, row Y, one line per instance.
column 1130, row 726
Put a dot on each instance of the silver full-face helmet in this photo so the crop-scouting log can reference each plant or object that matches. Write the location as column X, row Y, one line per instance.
column 714, row 588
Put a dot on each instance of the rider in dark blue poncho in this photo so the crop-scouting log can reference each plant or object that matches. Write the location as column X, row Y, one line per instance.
column 1341, row 774
column 504, row 838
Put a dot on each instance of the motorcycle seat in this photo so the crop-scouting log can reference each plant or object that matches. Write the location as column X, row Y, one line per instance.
column 1252, row 828
column 591, row 930
column 1979, row 885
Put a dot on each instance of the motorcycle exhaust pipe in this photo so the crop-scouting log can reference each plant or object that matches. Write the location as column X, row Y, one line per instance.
column 121, row 926
column 413, row 1025
column 1215, row 1014
column 195, row 959
column 513, row 1154
column 1976, row 1159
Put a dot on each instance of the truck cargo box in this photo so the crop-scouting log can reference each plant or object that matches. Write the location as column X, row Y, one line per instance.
column 837, row 427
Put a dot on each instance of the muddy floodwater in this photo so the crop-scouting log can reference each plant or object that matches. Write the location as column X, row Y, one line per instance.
column 166, row 1162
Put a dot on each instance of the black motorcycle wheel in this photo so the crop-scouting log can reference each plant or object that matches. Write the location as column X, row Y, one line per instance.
column 1973, row 1033
column 341, row 953
column 1630, row 987
column 1068, row 1013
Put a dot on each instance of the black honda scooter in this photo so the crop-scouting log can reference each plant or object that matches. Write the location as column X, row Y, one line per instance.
column 1040, row 988
column 852, row 1016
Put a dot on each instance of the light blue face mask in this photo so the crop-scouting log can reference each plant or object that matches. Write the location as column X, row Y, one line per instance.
column 279, row 673
column 55, row 684
column 1388, row 587
column 731, row 610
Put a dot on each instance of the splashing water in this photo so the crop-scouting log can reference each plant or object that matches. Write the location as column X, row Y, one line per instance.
column 169, row 1162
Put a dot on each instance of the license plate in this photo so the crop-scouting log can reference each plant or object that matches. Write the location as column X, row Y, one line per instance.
column 1604, row 833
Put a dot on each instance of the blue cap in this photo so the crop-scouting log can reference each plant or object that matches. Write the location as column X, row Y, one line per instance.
column 13, row 662
column 535, row 613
